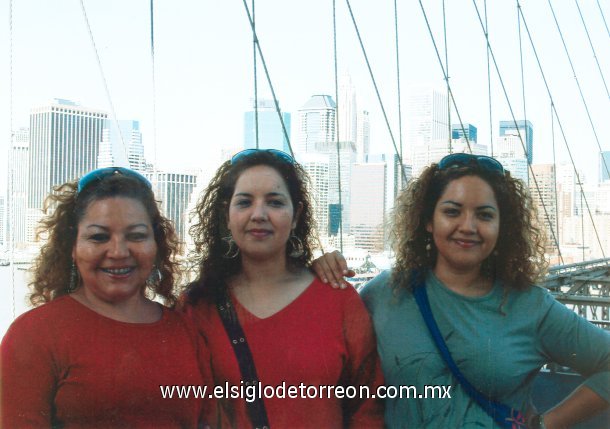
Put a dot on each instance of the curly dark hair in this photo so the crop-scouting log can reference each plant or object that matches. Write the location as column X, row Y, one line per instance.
column 208, row 232
column 518, row 258
column 67, row 207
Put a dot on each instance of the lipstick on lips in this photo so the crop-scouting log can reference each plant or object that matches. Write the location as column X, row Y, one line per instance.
column 259, row 233
column 465, row 243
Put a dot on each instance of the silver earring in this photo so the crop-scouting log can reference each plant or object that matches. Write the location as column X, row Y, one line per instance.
column 73, row 284
column 233, row 250
column 155, row 277
column 297, row 246
column 428, row 246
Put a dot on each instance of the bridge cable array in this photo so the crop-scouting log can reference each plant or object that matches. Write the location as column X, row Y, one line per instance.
column 560, row 125
column 103, row 75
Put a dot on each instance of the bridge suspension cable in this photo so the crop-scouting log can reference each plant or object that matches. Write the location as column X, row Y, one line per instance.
column 260, row 53
column 337, row 117
column 582, row 96
column 560, row 126
column 103, row 75
column 512, row 113
column 438, row 56
column 254, row 67
column 491, row 134
column 368, row 64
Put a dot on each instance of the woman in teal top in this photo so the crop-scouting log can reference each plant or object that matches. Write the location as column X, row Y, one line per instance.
column 468, row 227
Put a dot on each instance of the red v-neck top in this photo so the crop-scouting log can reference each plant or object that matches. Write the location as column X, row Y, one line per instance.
column 323, row 337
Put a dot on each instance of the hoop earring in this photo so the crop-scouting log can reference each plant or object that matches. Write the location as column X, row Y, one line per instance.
column 297, row 246
column 73, row 283
column 155, row 277
column 233, row 250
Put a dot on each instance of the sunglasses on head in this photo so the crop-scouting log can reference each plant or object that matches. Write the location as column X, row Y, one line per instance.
column 101, row 173
column 244, row 154
column 456, row 160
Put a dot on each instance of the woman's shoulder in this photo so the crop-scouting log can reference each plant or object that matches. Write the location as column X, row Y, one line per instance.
column 378, row 286
column 59, row 309
column 41, row 322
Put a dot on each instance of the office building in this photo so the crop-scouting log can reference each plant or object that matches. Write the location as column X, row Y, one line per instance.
column 469, row 131
column 368, row 205
column 317, row 167
column 604, row 166
column 316, row 123
column 270, row 131
column 524, row 131
column 122, row 145
column 426, row 115
column 17, row 189
column 64, row 144
column 339, row 186
column 545, row 201
column 174, row 191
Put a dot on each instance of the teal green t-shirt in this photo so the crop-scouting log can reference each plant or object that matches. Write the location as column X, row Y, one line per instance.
column 499, row 343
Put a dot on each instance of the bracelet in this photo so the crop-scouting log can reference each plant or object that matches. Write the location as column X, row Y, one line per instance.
column 538, row 422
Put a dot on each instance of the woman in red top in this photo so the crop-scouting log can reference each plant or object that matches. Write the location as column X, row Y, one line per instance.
column 302, row 340
column 97, row 349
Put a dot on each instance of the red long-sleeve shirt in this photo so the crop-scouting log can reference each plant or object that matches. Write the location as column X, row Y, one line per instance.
column 324, row 337
column 63, row 364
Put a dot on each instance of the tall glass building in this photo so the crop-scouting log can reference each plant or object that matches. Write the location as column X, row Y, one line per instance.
column 523, row 128
column 270, row 132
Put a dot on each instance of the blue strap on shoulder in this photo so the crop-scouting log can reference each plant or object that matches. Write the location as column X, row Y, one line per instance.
column 504, row 415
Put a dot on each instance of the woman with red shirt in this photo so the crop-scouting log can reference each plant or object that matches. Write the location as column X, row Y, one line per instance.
column 96, row 350
column 264, row 316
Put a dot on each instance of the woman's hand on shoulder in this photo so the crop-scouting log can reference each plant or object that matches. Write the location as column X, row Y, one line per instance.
column 332, row 268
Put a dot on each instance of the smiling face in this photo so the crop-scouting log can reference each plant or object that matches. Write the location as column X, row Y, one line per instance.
column 261, row 214
column 465, row 225
column 115, row 249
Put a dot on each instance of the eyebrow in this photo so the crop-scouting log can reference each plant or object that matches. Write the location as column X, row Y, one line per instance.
column 478, row 208
column 105, row 228
column 269, row 194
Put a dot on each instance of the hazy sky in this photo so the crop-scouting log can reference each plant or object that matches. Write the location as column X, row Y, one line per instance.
column 204, row 79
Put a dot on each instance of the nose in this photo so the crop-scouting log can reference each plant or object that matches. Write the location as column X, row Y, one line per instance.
column 468, row 224
column 118, row 248
column 259, row 212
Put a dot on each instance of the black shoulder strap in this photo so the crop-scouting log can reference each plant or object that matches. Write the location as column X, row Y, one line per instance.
column 256, row 408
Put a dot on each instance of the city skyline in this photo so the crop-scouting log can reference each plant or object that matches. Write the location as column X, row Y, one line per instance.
column 201, row 81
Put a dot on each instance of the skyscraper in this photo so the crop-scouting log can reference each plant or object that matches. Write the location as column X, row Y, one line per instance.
column 426, row 124
column 339, row 185
column 604, row 166
column 348, row 110
column 174, row 191
column 457, row 132
column 317, row 168
column 64, row 144
column 546, row 201
column 509, row 152
column 17, row 192
column 270, row 132
column 367, row 205
column 426, row 116
column 122, row 146
column 523, row 128
column 363, row 137
column 316, row 123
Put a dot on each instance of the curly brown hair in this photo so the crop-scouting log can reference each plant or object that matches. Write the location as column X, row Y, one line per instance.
column 65, row 208
column 518, row 258
column 210, row 229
